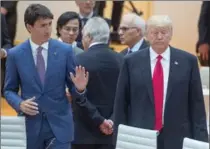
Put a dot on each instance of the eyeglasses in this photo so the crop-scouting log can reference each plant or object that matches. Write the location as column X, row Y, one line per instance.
column 124, row 29
column 73, row 29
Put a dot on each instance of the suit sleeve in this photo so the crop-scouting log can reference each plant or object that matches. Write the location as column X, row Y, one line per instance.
column 203, row 26
column 81, row 99
column 197, row 108
column 12, row 82
column 5, row 36
column 120, row 115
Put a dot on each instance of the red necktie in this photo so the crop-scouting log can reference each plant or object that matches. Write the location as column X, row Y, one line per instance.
column 158, row 93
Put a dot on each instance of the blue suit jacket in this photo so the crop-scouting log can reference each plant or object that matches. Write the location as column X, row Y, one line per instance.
column 51, row 98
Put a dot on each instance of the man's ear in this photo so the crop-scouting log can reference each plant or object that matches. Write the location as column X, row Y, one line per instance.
column 29, row 27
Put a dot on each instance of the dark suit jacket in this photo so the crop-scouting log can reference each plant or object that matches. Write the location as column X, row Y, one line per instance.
column 5, row 44
column 144, row 45
column 11, row 17
column 204, row 28
column 184, row 111
column 103, row 66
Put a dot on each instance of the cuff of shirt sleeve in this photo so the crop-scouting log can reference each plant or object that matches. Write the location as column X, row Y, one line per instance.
column 80, row 93
column 5, row 52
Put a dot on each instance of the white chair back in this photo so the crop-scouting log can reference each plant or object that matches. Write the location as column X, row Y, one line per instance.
column 204, row 72
column 194, row 144
column 136, row 138
column 13, row 132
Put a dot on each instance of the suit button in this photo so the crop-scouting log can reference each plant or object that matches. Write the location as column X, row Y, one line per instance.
column 44, row 115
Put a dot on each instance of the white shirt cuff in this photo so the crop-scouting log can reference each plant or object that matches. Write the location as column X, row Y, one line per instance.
column 5, row 52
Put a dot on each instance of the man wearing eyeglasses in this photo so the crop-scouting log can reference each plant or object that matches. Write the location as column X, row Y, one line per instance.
column 131, row 33
column 68, row 26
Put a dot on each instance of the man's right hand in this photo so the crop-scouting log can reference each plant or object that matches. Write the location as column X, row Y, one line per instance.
column 29, row 107
column 3, row 10
column 203, row 49
column 106, row 127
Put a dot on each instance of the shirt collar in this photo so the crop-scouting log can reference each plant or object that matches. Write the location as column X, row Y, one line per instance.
column 136, row 46
column 74, row 44
column 88, row 17
column 165, row 54
column 34, row 46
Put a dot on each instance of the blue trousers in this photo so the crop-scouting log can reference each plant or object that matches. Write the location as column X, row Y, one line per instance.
column 47, row 139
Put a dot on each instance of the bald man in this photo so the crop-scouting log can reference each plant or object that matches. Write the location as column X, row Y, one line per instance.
column 131, row 32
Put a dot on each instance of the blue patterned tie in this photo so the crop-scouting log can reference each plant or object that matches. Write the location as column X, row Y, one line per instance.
column 40, row 64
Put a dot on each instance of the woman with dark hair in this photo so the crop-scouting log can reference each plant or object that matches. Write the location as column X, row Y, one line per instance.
column 68, row 26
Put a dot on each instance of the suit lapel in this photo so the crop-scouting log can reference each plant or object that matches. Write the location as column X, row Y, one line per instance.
column 174, row 69
column 144, row 45
column 52, row 57
column 147, row 76
column 29, row 60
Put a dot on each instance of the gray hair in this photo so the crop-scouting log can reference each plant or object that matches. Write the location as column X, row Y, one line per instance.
column 135, row 21
column 160, row 21
column 98, row 29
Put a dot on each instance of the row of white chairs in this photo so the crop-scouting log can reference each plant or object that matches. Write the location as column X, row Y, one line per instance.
column 13, row 136
column 137, row 138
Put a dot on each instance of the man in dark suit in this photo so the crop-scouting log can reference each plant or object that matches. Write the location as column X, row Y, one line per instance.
column 131, row 32
column 5, row 46
column 203, row 45
column 86, row 11
column 9, row 9
column 93, row 127
column 43, row 79
column 160, row 89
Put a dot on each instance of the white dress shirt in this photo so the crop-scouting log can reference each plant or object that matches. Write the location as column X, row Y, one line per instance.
column 74, row 44
column 88, row 17
column 165, row 61
column 44, row 51
column 136, row 46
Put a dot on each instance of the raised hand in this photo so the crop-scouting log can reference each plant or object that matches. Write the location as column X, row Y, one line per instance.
column 80, row 79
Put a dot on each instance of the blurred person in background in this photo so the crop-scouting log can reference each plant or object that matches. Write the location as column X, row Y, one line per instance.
column 203, row 44
column 68, row 26
column 9, row 9
column 131, row 33
column 6, row 44
column 86, row 11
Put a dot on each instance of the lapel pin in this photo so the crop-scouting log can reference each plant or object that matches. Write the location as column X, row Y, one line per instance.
column 176, row 63
column 55, row 53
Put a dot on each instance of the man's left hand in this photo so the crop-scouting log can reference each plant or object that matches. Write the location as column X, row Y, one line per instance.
column 80, row 79
column 2, row 53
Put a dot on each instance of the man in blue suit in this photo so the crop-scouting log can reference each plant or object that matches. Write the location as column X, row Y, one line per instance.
column 159, row 88
column 42, row 67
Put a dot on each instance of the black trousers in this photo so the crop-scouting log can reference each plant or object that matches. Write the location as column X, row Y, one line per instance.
column 160, row 140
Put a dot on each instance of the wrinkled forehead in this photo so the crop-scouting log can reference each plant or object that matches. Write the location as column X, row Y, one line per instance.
column 156, row 28
column 128, row 21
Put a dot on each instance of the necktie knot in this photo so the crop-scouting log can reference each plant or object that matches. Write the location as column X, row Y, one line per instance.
column 84, row 20
column 39, row 50
column 159, row 57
